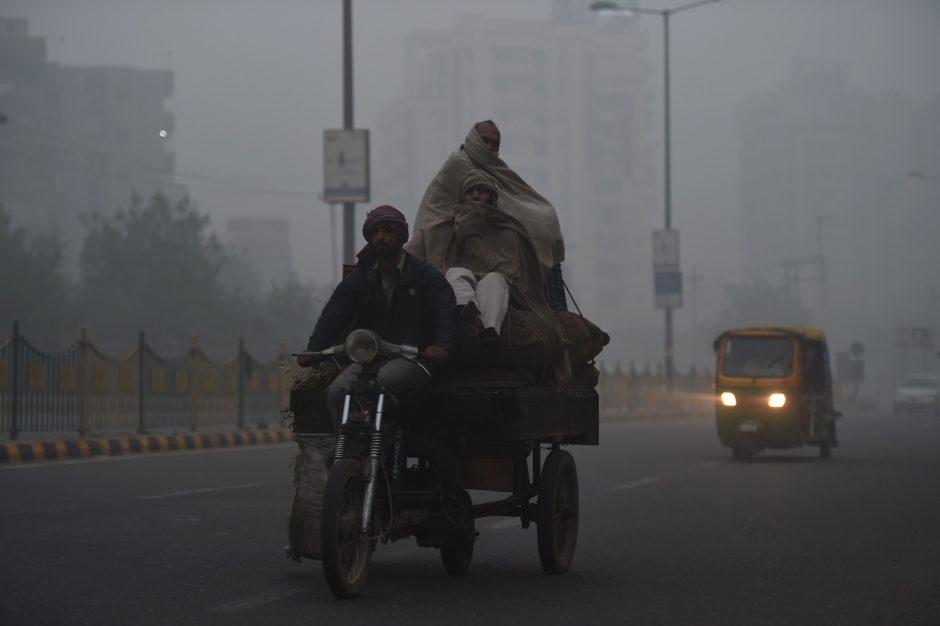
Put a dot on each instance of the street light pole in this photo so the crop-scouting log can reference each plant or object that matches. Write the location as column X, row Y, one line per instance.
column 667, row 147
column 667, row 195
column 349, row 208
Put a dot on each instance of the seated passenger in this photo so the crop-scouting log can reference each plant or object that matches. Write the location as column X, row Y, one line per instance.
column 489, row 259
column 537, row 216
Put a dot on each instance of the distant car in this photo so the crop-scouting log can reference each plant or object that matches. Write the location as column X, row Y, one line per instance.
column 920, row 392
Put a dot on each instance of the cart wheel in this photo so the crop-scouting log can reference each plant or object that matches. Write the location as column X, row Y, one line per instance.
column 345, row 552
column 458, row 555
column 557, row 512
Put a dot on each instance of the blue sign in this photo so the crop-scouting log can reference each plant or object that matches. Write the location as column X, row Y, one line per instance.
column 668, row 288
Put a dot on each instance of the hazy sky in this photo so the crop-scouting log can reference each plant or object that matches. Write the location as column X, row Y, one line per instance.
column 256, row 83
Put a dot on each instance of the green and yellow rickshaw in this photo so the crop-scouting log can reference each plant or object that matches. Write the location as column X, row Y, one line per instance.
column 773, row 390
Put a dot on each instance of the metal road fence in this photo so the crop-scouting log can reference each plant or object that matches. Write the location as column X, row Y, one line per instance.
column 631, row 394
column 80, row 390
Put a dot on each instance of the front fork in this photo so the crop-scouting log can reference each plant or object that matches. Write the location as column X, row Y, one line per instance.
column 375, row 455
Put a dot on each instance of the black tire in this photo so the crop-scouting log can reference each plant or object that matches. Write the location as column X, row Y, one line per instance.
column 557, row 512
column 744, row 452
column 458, row 555
column 345, row 553
column 825, row 444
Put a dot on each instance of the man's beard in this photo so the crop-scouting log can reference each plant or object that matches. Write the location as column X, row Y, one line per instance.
column 383, row 250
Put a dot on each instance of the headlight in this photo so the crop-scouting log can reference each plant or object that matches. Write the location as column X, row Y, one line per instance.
column 362, row 346
column 728, row 399
column 776, row 400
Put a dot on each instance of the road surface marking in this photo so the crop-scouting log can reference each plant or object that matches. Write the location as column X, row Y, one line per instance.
column 190, row 492
column 636, row 483
column 271, row 595
column 708, row 464
column 506, row 523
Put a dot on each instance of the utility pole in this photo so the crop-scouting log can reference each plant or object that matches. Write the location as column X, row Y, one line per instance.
column 349, row 208
column 696, row 277
column 823, row 286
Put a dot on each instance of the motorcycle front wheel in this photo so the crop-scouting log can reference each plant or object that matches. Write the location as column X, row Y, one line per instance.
column 345, row 552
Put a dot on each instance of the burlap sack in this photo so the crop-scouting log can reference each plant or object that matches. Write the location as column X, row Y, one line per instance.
column 310, row 470
column 585, row 340
column 526, row 342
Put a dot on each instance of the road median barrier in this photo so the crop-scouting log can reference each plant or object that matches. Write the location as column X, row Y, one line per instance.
column 87, row 447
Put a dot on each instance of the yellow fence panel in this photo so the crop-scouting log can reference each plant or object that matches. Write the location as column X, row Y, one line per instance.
column 35, row 378
column 181, row 380
column 158, row 380
column 68, row 379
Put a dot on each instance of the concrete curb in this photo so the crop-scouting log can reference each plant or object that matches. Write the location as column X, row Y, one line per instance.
column 87, row 447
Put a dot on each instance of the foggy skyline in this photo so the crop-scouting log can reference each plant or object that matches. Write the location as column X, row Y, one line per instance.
column 255, row 86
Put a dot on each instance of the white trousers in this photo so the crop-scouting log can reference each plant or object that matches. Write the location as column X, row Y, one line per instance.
column 490, row 294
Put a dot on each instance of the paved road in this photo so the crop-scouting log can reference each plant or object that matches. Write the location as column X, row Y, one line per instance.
column 672, row 532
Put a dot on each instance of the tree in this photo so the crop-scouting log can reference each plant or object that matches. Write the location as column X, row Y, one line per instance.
column 155, row 268
column 287, row 312
column 36, row 292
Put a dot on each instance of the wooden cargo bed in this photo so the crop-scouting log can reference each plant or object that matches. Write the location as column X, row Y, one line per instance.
column 491, row 408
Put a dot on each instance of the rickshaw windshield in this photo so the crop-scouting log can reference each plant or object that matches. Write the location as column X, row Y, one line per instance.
column 757, row 356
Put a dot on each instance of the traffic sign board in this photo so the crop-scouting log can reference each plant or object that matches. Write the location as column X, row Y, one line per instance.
column 667, row 277
column 345, row 165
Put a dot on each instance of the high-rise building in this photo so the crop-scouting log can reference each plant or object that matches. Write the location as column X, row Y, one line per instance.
column 828, row 203
column 822, row 184
column 78, row 139
column 573, row 99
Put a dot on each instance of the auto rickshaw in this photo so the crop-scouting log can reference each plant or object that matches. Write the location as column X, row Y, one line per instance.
column 773, row 389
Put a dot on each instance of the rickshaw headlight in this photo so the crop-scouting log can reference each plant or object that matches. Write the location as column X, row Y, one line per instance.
column 776, row 400
column 728, row 399
column 362, row 346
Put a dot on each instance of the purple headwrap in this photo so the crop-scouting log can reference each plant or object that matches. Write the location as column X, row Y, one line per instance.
column 386, row 214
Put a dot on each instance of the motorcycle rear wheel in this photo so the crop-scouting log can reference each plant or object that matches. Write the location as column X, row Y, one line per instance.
column 345, row 552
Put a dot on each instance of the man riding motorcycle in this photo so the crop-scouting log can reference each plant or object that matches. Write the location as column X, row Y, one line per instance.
column 402, row 298
column 406, row 301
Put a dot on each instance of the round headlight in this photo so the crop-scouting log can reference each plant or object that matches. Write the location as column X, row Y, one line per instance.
column 362, row 346
column 728, row 399
column 776, row 400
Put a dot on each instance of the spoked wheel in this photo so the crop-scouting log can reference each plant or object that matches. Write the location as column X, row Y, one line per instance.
column 458, row 554
column 346, row 553
column 557, row 512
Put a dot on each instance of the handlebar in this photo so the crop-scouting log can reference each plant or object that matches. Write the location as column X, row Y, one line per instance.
column 364, row 346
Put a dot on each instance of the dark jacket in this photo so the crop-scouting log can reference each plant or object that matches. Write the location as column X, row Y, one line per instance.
column 423, row 310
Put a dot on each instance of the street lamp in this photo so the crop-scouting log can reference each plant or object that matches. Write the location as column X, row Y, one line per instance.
column 665, row 14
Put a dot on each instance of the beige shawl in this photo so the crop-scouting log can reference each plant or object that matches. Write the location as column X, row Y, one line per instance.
column 533, row 213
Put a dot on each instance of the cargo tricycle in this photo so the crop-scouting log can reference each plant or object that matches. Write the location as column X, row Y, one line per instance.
column 406, row 466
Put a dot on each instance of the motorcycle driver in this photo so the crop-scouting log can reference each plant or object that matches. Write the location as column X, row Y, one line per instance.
column 403, row 299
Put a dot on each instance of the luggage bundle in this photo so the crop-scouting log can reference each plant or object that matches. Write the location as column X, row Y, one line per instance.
column 533, row 343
